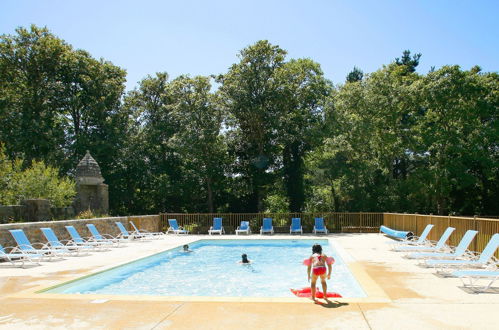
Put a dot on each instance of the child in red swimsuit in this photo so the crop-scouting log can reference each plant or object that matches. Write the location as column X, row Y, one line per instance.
column 317, row 268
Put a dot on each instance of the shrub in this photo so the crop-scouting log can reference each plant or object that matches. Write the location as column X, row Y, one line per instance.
column 37, row 181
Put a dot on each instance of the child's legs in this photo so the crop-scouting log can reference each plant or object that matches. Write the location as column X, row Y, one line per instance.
column 312, row 285
column 324, row 284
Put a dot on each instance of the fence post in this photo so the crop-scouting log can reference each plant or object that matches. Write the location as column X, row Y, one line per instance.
column 360, row 222
column 476, row 239
column 416, row 222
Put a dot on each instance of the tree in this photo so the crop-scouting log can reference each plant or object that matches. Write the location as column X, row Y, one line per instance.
column 153, row 168
column 30, row 114
column 90, row 96
column 409, row 63
column 57, row 102
column 369, row 139
column 303, row 92
column 355, row 75
column 250, row 95
column 459, row 134
column 198, row 139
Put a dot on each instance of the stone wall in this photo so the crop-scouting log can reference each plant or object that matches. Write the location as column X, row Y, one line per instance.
column 62, row 213
column 36, row 210
column 104, row 225
column 9, row 213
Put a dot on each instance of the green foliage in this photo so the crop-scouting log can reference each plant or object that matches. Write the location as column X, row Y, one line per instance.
column 274, row 116
column 249, row 93
column 198, row 139
column 272, row 133
column 301, row 123
column 404, row 142
column 57, row 102
column 37, row 181
column 355, row 75
column 406, row 61
column 276, row 203
column 88, row 214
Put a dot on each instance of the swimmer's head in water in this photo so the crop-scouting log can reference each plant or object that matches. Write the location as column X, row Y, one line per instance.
column 186, row 247
column 245, row 258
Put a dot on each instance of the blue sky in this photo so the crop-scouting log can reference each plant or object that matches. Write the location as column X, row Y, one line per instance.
column 204, row 37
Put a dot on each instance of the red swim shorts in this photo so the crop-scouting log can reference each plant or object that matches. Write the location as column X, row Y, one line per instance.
column 318, row 271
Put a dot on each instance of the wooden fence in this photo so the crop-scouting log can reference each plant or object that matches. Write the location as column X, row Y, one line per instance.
column 416, row 223
column 360, row 222
column 199, row 223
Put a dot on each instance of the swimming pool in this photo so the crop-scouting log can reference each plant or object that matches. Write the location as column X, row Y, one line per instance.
column 212, row 269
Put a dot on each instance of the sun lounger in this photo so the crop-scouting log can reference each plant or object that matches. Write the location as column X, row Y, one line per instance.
column 18, row 258
column 217, row 227
column 26, row 247
column 486, row 258
column 440, row 246
column 175, row 228
column 104, row 238
column 267, row 226
column 244, row 228
column 295, row 226
column 319, row 226
column 144, row 233
column 69, row 248
column 470, row 278
column 89, row 242
column 415, row 240
column 461, row 251
column 125, row 234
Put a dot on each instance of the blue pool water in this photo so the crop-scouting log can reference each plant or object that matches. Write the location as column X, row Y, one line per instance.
column 212, row 269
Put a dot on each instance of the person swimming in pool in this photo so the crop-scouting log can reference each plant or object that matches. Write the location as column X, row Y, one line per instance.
column 186, row 248
column 317, row 268
column 244, row 259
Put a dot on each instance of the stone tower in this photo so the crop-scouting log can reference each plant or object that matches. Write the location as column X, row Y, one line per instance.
column 91, row 192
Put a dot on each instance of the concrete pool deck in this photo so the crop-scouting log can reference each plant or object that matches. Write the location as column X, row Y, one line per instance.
column 401, row 295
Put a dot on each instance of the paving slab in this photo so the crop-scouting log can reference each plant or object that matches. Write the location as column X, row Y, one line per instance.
column 402, row 295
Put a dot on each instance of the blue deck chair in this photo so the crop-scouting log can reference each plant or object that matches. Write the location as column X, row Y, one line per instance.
column 461, row 250
column 78, row 240
column 175, row 228
column 17, row 257
column 146, row 234
column 485, row 259
column 295, row 226
column 69, row 248
column 26, row 247
column 103, row 238
column 438, row 247
column 470, row 278
column 399, row 234
column 125, row 234
column 267, row 226
column 217, row 227
column 244, row 228
column 319, row 226
column 415, row 240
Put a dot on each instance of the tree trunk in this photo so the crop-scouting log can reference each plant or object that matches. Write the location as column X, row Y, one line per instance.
column 293, row 177
column 210, row 195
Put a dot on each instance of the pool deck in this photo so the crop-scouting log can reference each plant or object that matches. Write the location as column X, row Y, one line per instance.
column 401, row 295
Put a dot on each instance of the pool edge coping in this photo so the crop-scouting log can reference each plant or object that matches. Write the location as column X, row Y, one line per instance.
column 375, row 294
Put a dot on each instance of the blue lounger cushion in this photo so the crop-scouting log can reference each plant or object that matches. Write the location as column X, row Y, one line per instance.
column 396, row 233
